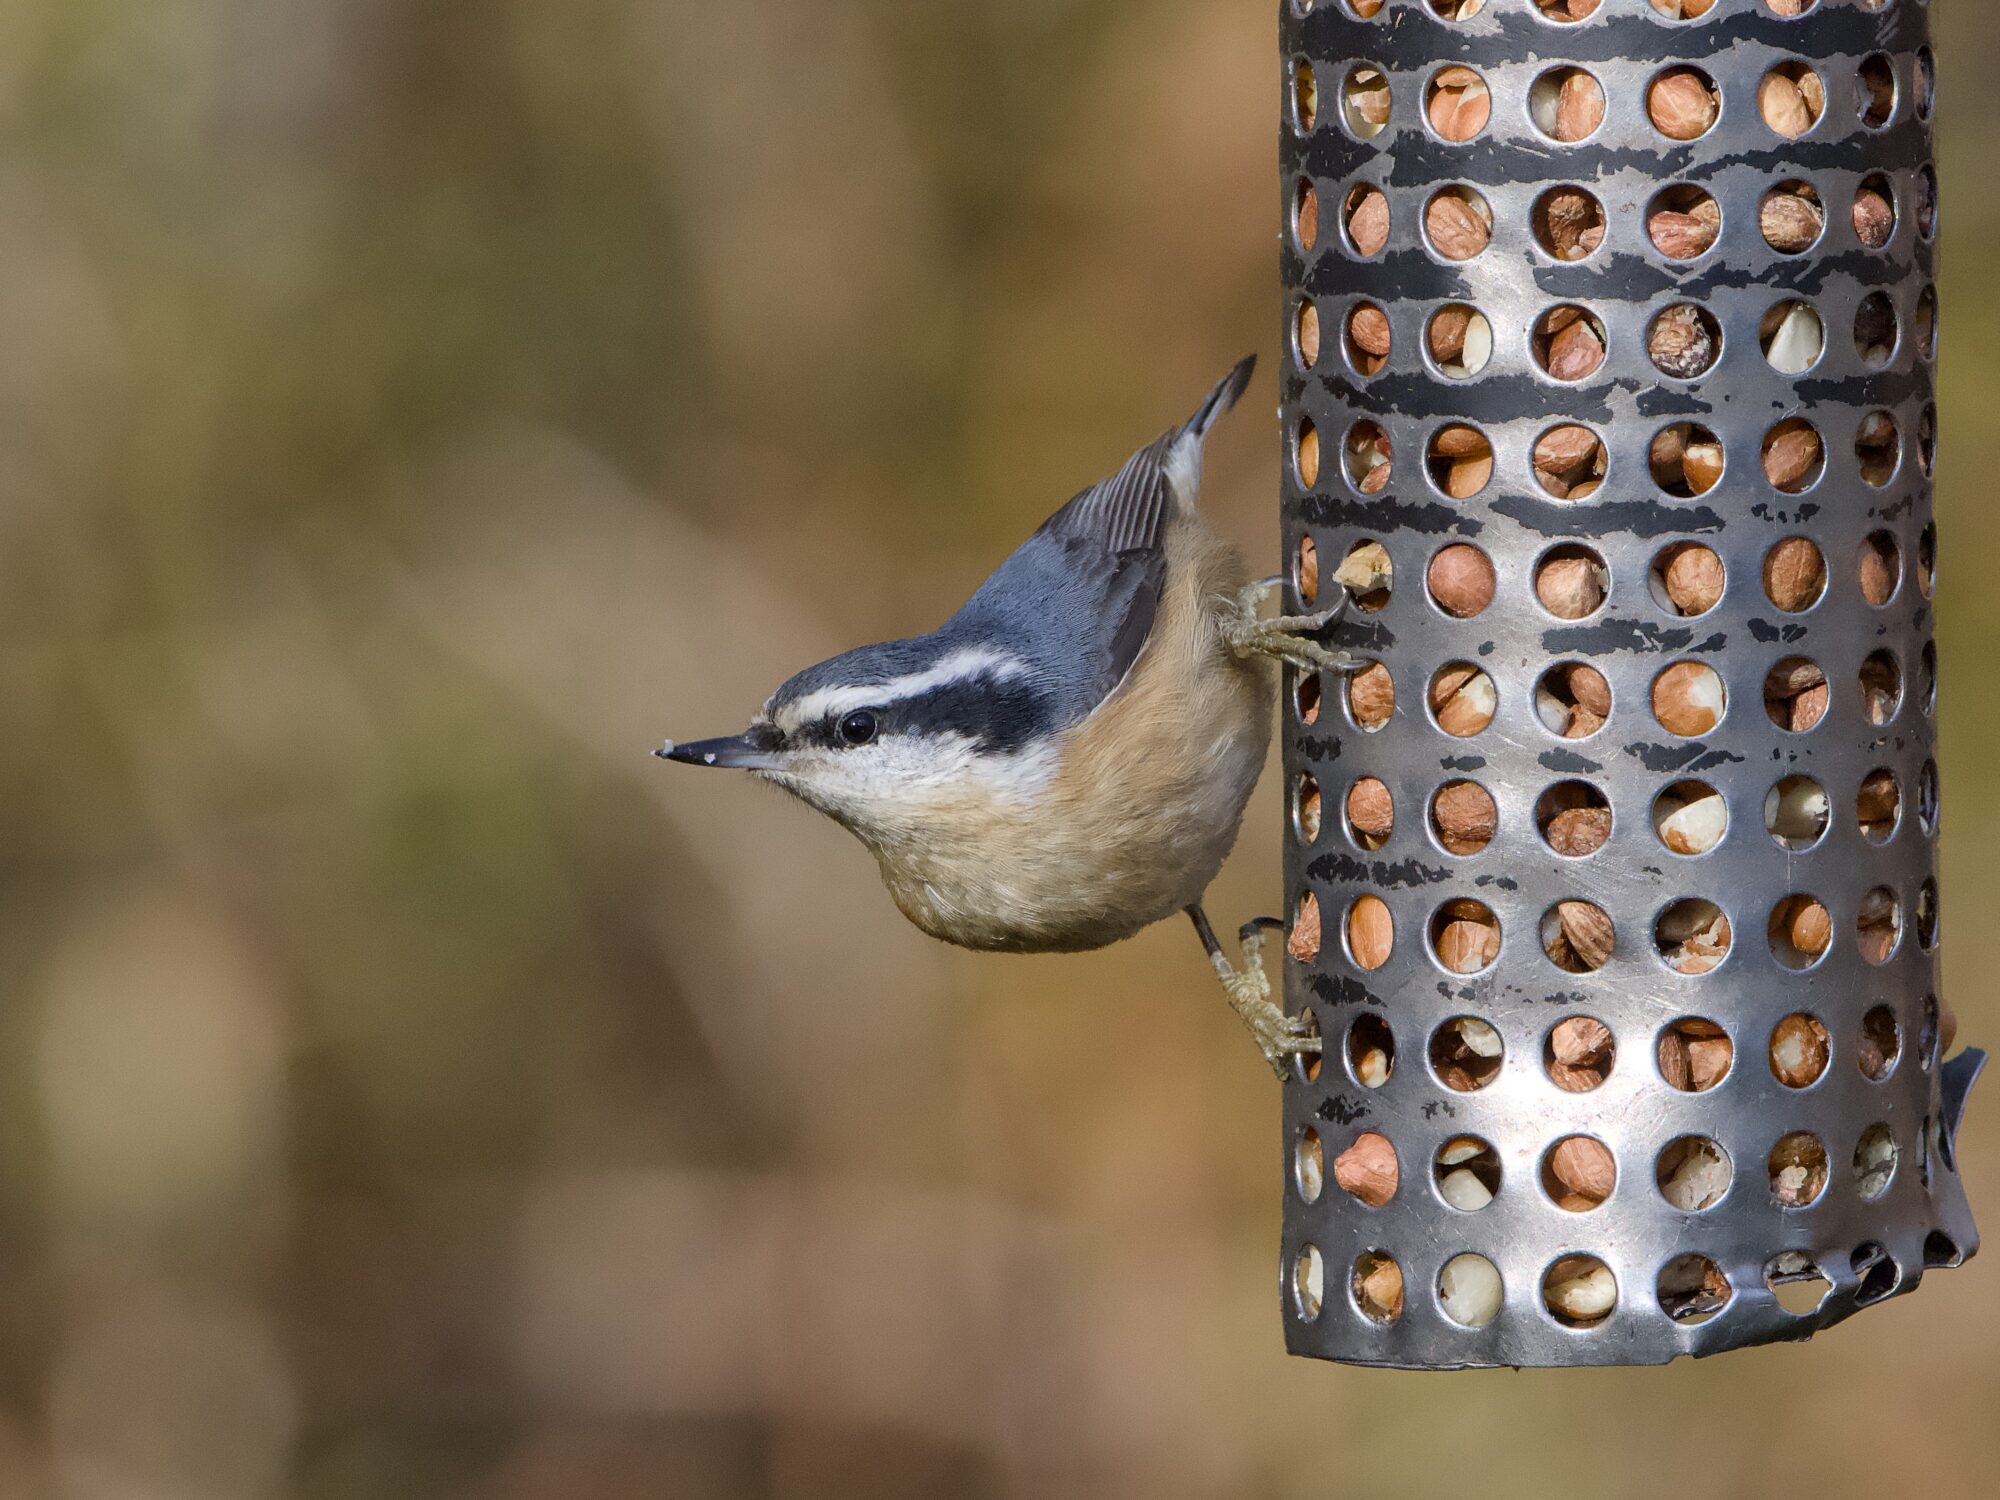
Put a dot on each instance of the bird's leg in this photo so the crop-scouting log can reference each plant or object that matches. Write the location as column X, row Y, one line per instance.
column 1279, row 1037
column 1290, row 638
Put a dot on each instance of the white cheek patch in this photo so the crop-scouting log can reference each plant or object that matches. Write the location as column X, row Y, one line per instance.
column 903, row 776
column 982, row 662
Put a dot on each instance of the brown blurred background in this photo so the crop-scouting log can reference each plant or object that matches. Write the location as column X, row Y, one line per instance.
column 412, row 410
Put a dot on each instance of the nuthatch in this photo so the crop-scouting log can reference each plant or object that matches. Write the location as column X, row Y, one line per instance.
column 1065, row 760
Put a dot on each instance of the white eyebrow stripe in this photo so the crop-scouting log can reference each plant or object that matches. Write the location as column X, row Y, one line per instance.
column 961, row 666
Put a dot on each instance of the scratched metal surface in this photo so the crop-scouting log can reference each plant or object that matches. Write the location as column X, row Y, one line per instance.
column 1630, row 639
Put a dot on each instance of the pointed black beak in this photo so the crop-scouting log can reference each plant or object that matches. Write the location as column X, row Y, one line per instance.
column 742, row 752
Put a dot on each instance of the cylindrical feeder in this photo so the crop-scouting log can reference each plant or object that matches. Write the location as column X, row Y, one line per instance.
column 1612, row 335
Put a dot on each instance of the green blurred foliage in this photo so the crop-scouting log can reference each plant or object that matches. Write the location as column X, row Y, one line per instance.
column 412, row 410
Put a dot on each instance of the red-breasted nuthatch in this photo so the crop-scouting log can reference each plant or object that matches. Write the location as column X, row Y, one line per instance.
column 1065, row 760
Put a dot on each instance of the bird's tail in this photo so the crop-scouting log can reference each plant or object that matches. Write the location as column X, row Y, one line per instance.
column 1221, row 398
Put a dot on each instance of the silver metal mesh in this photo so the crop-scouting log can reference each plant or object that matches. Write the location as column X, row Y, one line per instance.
column 1866, row 1247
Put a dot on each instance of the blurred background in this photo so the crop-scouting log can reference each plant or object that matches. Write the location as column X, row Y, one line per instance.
column 411, row 411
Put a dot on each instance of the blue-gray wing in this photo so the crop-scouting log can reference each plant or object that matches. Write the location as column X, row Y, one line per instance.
column 1077, row 600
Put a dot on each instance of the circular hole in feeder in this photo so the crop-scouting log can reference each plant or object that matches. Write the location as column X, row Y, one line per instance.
column 1368, row 575
column 1566, row 104
column 1309, row 1164
column 1457, row 103
column 1305, row 570
column 1364, row 219
column 1306, row 1065
column 1578, row 1173
column 1876, row 1271
column 1469, row 1290
column 1371, row 1051
column 1578, row 1054
column 1795, row 694
column 1686, row 579
column 1791, row 98
column 1377, row 1287
column 1568, row 222
column 1878, row 805
column 1684, row 341
column 1796, row 813
column 1569, row 462
column 1791, row 336
column 1875, row 330
column 1367, row 1170
column 1305, row 96
column 1927, row 313
column 1879, row 561
column 1305, row 335
column 1793, row 9
column 1683, row 221
column 1683, row 103
column 1305, row 217
column 1456, row 10
column 1458, row 222
column 1692, row 935
column 1367, row 457
column 1800, row 931
column 1927, row 915
column 1571, row 581
column 1686, row 460
column 1688, row 699
column 1797, row 1282
column 1305, row 698
column 1792, row 456
column 1797, row 1167
column 1465, row 937
column 1466, row 1054
column 1306, row 808
column 1690, row 817
column 1927, row 440
column 1881, row 686
column 1795, row 574
column 1692, row 1289
column 1878, row 448
column 1927, row 559
column 1463, row 817
column 1305, row 453
column 1578, row 936
column 1579, row 1291
column 1927, row 202
column 1881, row 1045
column 1683, row 10
column 1574, row 818
column 1367, row 338
column 1460, row 580
column 1459, row 460
column 1462, row 699
column 1566, row 12
column 1371, row 696
column 1371, row 812
column 1877, row 93
column 1791, row 217
column 1364, row 101
column 1693, row 1054
column 1875, row 1158
column 1361, row 10
column 1927, row 798
column 1308, row 1283
column 1371, row 932
column 1800, row 1049
column 1568, row 343
column 1466, row 1170
column 1572, row 700
column 1940, row 1249
column 1302, row 941
column 1925, row 76
column 1693, row 1173
column 1874, row 211
column 1460, row 341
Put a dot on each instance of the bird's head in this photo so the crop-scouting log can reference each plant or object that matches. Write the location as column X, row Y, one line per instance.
column 887, row 739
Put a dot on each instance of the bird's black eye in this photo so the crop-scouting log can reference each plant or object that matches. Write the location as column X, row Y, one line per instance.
column 858, row 728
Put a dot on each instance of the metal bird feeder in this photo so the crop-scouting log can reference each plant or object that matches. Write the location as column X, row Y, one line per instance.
column 1612, row 334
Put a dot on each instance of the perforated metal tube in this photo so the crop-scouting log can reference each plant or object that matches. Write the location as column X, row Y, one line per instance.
column 1864, row 506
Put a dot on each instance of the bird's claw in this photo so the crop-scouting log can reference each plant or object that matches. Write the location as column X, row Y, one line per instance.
column 1289, row 638
column 1280, row 1037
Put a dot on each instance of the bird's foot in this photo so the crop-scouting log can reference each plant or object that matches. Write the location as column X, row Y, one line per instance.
column 1289, row 638
column 1279, row 1037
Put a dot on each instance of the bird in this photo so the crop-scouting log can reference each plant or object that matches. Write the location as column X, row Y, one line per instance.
column 1066, row 760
